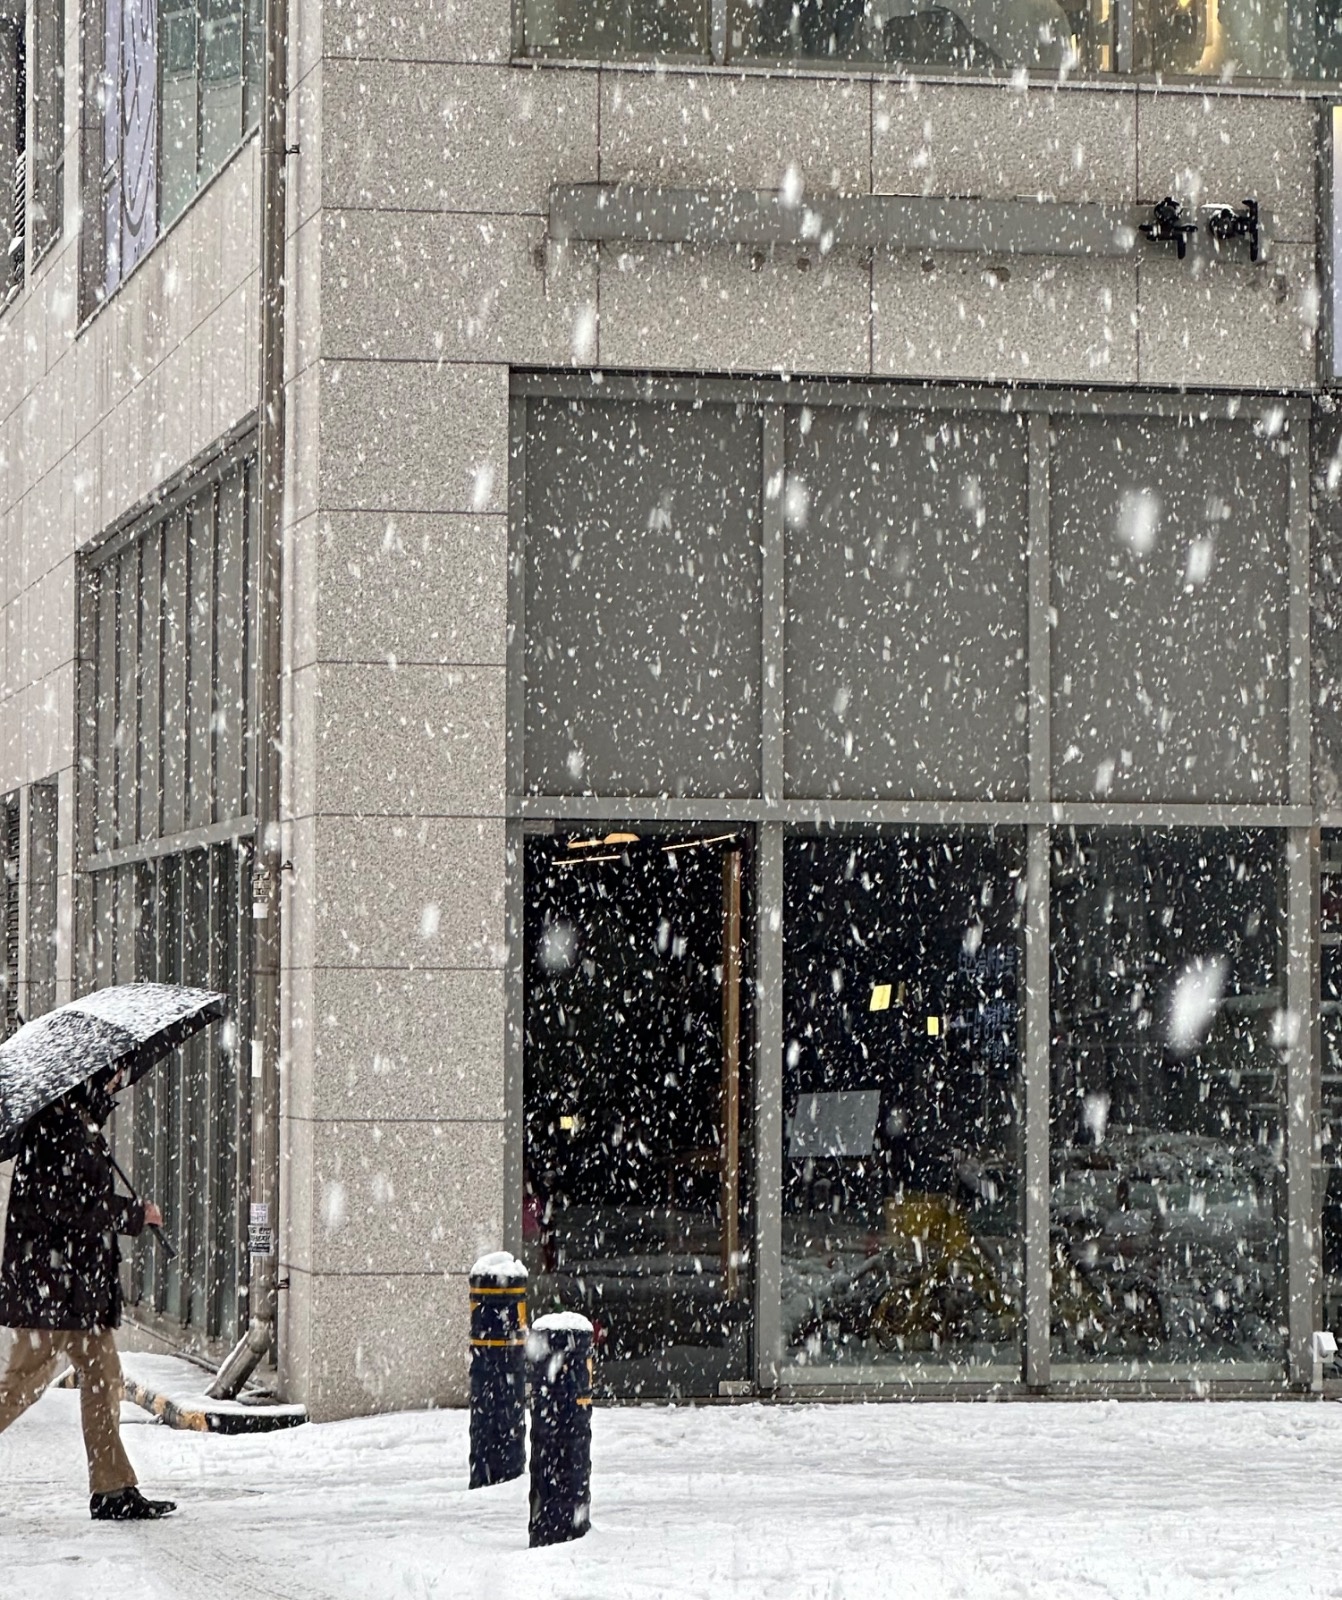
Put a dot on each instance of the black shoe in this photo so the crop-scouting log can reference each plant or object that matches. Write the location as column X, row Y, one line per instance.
column 128, row 1505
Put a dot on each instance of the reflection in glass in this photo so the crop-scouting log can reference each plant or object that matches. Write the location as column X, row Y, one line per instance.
column 221, row 82
column 610, row 29
column 648, row 518
column 1167, row 1230
column 1168, row 542
column 901, row 1100
column 1225, row 39
column 970, row 34
column 130, row 175
column 178, row 85
column 906, row 602
column 636, row 1102
column 1222, row 38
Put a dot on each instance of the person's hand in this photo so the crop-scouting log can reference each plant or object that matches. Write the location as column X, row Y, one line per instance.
column 153, row 1217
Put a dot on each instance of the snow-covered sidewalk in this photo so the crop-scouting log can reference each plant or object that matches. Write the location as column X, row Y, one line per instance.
column 993, row 1502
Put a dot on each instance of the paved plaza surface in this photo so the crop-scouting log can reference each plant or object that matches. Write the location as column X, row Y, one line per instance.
column 1081, row 1501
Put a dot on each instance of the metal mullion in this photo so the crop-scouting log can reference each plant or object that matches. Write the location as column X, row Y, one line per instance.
column 1039, row 633
column 769, row 1108
column 768, row 1074
column 1035, row 1063
column 1302, row 1256
column 893, row 395
column 773, row 592
column 899, row 813
column 172, row 844
column 1156, row 814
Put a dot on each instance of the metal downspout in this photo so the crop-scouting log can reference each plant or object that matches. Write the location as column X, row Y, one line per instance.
column 259, row 1339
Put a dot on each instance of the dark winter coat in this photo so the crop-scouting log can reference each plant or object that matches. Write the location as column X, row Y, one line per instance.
column 61, row 1259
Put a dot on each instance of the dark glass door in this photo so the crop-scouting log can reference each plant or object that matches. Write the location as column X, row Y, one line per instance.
column 902, row 1105
column 637, row 1204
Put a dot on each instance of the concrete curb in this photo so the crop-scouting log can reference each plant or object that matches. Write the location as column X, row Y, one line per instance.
column 199, row 1419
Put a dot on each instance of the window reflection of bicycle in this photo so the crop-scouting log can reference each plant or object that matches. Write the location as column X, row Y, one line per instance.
column 933, row 1286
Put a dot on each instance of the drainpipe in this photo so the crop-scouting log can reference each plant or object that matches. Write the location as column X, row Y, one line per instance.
column 259, row 1339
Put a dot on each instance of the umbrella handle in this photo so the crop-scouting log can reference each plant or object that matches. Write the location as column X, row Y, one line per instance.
column 169, row 1254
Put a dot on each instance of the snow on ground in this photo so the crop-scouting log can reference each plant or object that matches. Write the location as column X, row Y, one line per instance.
column 995, row 1502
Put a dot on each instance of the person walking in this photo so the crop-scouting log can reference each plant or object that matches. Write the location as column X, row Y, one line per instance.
column 60, row 1287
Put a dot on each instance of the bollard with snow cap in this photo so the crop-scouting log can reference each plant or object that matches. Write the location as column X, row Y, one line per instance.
column 559, row 1353
column 498, row 1369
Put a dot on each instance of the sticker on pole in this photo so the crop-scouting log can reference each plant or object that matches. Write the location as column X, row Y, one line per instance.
column 260, row 1238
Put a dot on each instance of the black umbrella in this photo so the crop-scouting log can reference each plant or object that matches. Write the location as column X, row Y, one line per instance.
column 130, row 1026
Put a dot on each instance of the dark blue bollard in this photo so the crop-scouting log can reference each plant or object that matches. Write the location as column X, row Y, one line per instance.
column 498, row 1369
column 559, row 1353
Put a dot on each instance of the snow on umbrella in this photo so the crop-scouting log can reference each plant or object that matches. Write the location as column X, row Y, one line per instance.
column 131, row 1026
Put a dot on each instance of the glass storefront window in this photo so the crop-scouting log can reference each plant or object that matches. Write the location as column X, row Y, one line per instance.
column 610, row 30
column 637, row 1101
column 901, row 1240
column 1222, row 39
column 1167, row 1162
column 1216, row 38
column 648, row 517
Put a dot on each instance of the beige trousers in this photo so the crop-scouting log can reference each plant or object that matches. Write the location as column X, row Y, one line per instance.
column 31, row 1367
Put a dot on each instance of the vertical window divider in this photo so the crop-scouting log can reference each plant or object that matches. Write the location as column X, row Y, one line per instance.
column 1035, row 1356
column 717, row 31
column 769, row 918
column 773, row 593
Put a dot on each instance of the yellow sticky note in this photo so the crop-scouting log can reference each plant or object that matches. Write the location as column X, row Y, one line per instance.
column 933, row 1027
column 880, row 997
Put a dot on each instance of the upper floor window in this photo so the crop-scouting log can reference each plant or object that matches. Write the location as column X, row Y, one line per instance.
column 32, row 136
column 1224, row 39
column 47, row 201
column 178, row 83
column 13, row 148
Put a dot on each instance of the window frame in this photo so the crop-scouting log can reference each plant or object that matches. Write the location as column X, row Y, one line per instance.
column 1294, row 821
column 98, row 173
